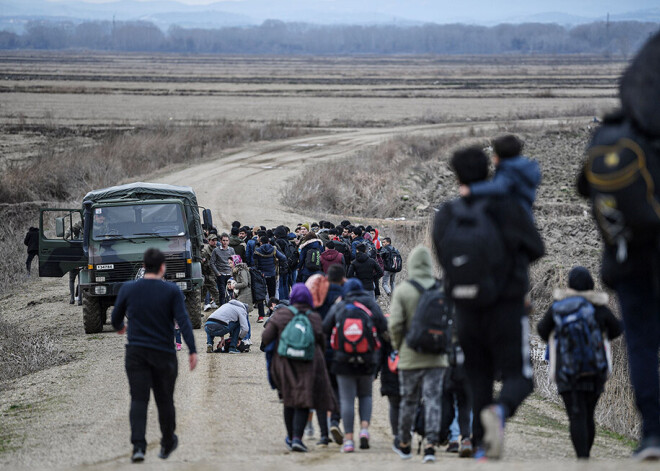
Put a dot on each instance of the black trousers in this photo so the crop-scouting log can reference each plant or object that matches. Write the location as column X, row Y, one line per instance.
column 395, row 404
column 456, row 396
column 30, row 257
column 580, row 407
column 495, row 341
column 149, row 369
column 221, row 281
column 295, row 421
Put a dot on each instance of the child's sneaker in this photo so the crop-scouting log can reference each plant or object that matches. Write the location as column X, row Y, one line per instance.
column 429, row 455
column 178, row 347
column 349, row 446
column 465, row 451
column 364, row 439
column 492, row 420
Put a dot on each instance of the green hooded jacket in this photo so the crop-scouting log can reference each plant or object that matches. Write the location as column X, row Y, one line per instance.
column 402, row 310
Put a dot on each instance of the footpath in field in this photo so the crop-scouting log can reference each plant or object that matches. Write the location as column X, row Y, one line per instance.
column 76, row 415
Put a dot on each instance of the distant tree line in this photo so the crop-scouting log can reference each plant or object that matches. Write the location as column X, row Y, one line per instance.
column 276, row 37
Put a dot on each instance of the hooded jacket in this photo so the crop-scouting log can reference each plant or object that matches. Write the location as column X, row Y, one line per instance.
column 32, row 240
column 517, row 176
column 608, row 323
column 243, row 284
column 402, row 311
column 303, row 271
column 331, row 257
column 354, row 243
column 366, row 270
column 266, row 259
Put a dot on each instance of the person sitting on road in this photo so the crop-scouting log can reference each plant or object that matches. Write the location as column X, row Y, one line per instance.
column 230, row 318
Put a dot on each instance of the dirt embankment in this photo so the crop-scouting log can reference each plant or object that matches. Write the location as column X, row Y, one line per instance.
column 77, row 414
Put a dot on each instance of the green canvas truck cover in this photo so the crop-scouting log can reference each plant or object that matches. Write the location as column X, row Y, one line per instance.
column 151, row 191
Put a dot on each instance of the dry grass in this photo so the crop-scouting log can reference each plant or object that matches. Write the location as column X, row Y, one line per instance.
column 63, row 174
column 373, row 182
column 22, row 352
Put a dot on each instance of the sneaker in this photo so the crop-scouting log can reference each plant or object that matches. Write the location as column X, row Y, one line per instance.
column 138, row 455
column 337, row 434
column 178, row 347
column 453, row 447
column 492, row 420
column 480, row 454
column 71, row 301
column 465, row 451
column 309, row 429
column 247, row 342
column 209, row 348
column 648, row 450
column 166, row 452
column 287, row 442
column 233, row 350
column 364, row 439
column 207, row 307
column 323, row 442
column 404, row 452
column 213, row 305
column 260, row 319
column 429, row 455
column 298, row 445
column 349, row 446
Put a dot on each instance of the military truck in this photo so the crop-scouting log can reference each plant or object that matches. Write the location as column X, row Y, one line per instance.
column 118, row 225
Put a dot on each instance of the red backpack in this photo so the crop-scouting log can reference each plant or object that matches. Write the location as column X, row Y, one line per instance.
column 355, row 334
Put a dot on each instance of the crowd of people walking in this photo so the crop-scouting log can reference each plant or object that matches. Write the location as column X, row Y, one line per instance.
column 443, row 343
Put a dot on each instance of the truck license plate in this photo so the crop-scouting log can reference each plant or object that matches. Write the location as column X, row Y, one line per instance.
column 105, row 267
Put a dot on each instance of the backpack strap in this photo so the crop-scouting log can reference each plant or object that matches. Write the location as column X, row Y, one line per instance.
column 359, row 305
column 420, row 288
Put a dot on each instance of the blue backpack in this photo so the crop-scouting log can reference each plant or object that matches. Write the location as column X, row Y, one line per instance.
column 580, row 346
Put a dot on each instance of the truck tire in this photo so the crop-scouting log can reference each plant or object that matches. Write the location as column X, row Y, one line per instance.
column 194, row 307
column 93, row 314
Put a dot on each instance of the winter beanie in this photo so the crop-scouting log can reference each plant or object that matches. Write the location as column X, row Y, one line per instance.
column 301, row 295
column 580, row 279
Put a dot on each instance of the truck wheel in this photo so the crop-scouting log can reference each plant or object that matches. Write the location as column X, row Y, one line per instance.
column 194, row 307
column 93, row 314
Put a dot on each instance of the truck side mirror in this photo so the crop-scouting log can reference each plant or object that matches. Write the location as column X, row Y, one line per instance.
column 59, row 227
column 208, row 218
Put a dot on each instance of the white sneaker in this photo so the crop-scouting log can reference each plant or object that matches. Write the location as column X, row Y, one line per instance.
column 207, row 307
column 213, row 305
column 247, row 342
column 76, row 299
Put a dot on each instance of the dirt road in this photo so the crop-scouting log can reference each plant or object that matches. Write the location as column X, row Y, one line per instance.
column 76, row 415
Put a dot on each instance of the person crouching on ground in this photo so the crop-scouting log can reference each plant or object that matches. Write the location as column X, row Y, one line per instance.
column 230, row 318
column 152, row 306
column 303, row 385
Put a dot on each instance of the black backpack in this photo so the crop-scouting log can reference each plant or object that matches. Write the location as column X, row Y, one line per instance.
column 313, row 259
column 258, row 285
column 394, row 261
column 473, row 254
column 291, row 253
column 623, row 173
column 431, row 328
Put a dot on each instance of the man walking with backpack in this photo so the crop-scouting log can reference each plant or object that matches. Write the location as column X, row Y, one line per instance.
column 580, row 369
column 366, row 270
column 420, row 370
column 392, row 264
column 626, row 212
column 485, row 245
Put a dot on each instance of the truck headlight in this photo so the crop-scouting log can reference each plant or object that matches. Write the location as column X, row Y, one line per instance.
column 181, row 275
column 100, row 279
column 100, row 289
column 183, row 285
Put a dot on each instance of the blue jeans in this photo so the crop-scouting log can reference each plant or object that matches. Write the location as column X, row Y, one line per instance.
column 640, row 307
column 284, row 287
column 215, row 329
